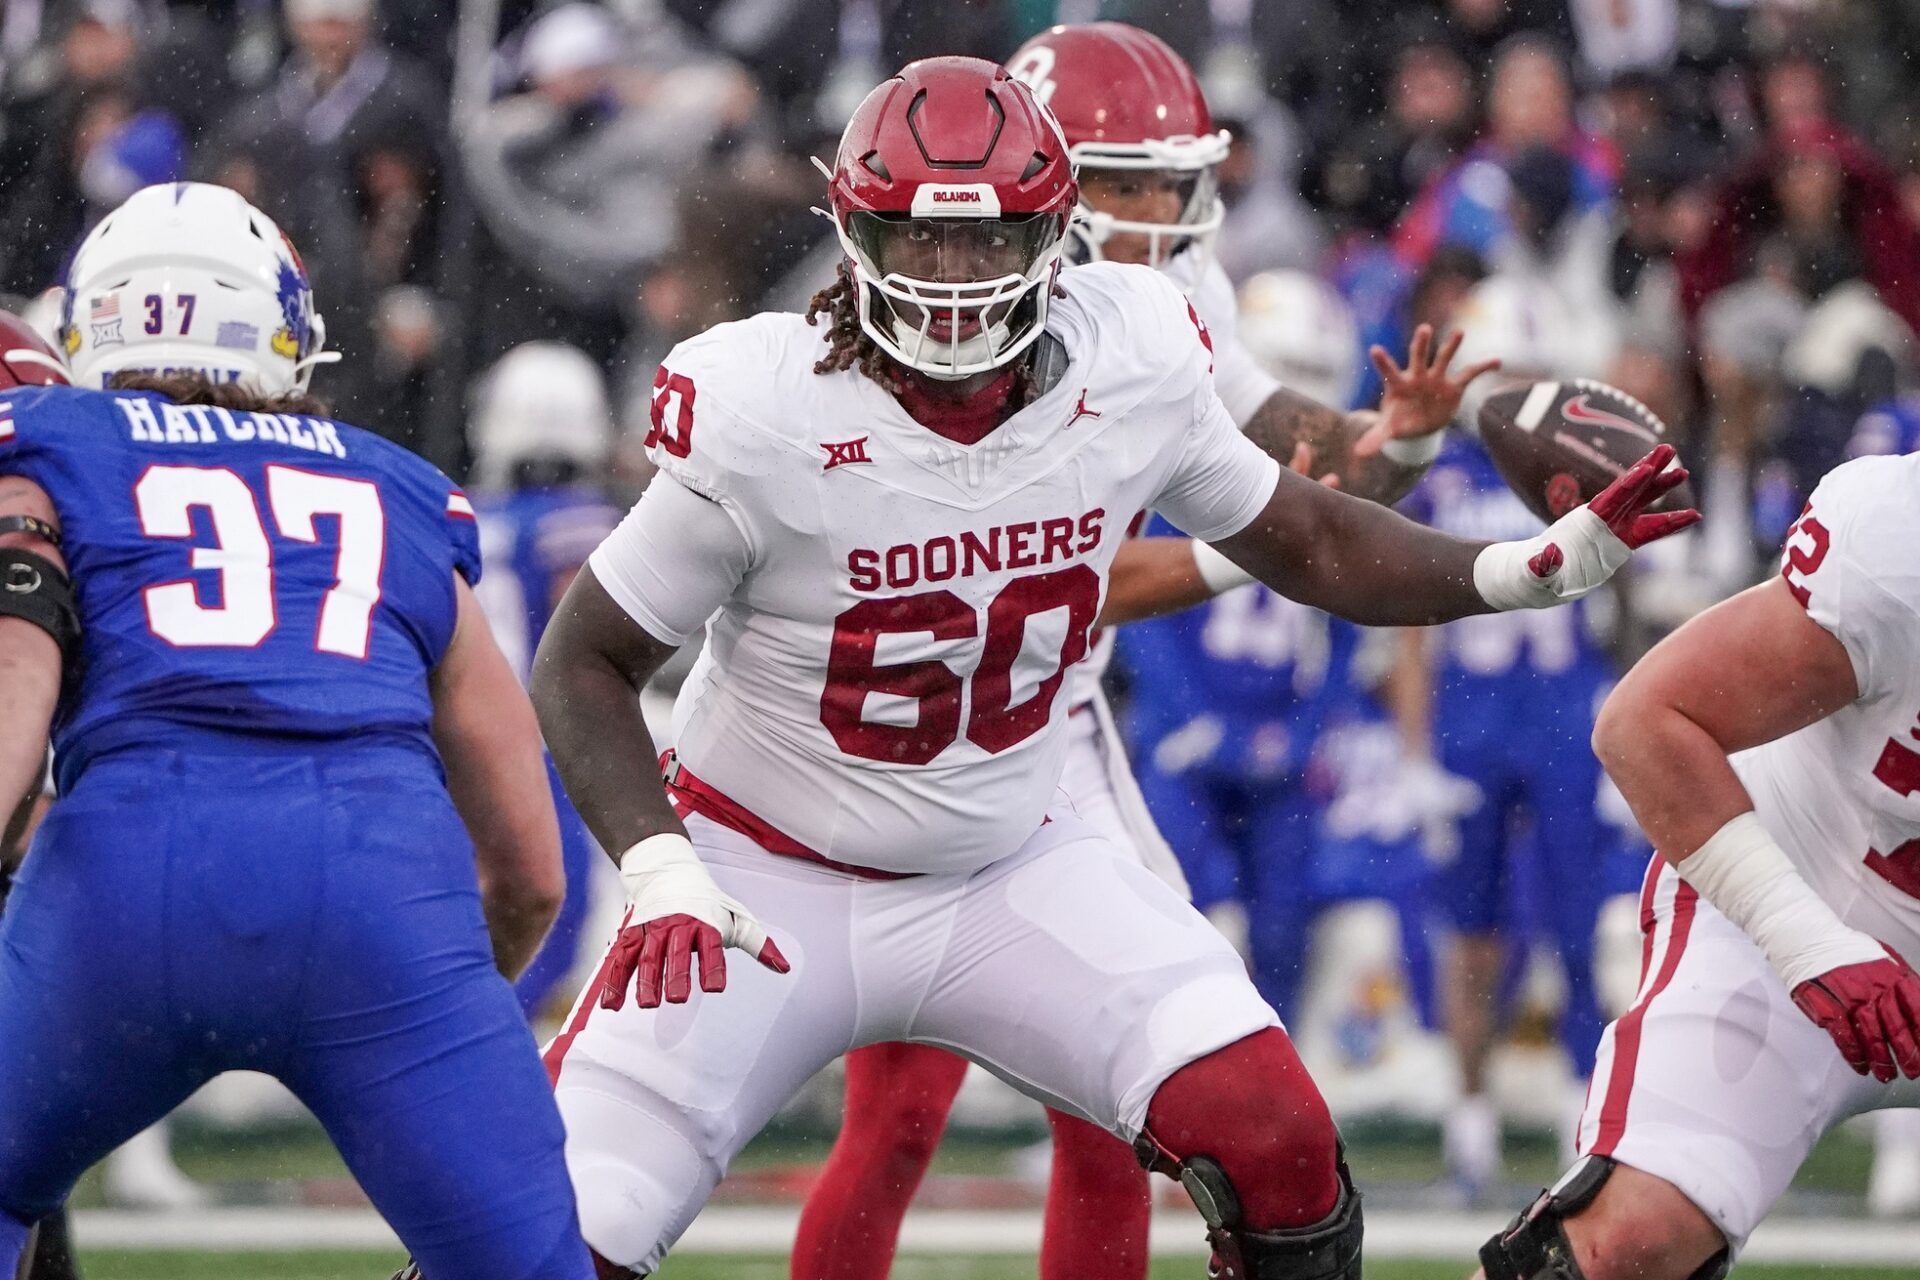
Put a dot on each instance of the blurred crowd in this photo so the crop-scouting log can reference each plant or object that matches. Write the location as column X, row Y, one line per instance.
column 1711, row 204
column 1686, row 197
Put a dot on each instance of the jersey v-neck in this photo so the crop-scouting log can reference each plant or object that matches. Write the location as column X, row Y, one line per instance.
column 962, row 423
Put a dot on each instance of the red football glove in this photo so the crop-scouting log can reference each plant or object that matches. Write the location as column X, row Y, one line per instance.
column 656, row 958
column 1584, row 547
column 1622, row 505
column 1872, row 1011
column 676, row 912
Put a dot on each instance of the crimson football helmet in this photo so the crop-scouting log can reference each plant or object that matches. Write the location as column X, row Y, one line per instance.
column 952, row 191
column 1128, row 101
column 25, row 358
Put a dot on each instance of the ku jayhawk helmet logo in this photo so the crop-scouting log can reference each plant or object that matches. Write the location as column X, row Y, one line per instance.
column 295, row 295
column 69, row 331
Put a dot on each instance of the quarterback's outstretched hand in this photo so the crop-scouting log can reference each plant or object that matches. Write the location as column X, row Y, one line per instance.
column 1872, row 1011
column 1421, row 398
column 676, row 912
column 1581, row 549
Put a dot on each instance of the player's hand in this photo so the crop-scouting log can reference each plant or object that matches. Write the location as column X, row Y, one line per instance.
column 1872, row 1011
column 1421, row 398
column 1622, row 505
column 1583, row 548
column 676, row 913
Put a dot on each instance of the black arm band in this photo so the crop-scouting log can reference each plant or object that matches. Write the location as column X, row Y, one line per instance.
column 30, row 524
column 35, row 588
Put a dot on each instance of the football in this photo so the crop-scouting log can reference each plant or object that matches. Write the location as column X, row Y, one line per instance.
column 1557, row 444
column 25, row 358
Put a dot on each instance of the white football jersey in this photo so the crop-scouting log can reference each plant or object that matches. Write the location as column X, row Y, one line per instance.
column 898, row 613
column 1243, row 386
column 1843, row 796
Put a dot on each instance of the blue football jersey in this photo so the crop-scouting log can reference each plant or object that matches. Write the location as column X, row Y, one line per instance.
column 1253, row 666
column 1464, row 495
column 244, row 579
column 535, row 541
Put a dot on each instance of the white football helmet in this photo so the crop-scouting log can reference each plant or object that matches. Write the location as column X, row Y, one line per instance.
column 540, row 400
column 189, row 277
column 1301, row 331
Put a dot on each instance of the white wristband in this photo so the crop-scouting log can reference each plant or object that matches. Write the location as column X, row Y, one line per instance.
column 1501, row 576
column 644, row 863
column 1413, row 451
column 1219, row 573
column 663, row 876
column 1587, row 553
column 1752, row 882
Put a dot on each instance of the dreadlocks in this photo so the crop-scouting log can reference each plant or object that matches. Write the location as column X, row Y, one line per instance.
column 849, row 347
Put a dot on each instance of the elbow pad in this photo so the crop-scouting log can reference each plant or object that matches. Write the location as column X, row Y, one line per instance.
column 36, row 589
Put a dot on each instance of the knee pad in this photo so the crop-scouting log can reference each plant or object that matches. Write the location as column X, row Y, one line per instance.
column 1534, row 1245
column 1326, row 1250
column 631, row 1212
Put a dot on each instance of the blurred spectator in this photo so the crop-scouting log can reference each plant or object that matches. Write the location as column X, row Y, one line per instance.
column 577, row 177
column 1378, row 167
column 1643, row 290
column 343, row 150
column 1835, row 207
column 1529, row 111
column 1269, row 226
column 1816, row 332
column 1484, row 27
column 82, row 140
column 1795, row 93
column 1617, row 36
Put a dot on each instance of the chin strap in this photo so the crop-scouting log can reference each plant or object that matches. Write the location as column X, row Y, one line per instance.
column 32, row 525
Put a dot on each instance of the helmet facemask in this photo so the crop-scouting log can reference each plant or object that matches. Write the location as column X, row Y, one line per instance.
column 953, row 296
column 1191, row 165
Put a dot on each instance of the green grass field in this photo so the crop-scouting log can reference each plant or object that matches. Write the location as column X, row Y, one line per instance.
column 263, row 1168
column 378, row 1266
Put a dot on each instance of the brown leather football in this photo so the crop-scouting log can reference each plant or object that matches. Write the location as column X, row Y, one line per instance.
column 1557, row 444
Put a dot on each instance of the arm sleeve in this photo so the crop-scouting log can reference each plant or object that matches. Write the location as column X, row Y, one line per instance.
column 1222, row 480
column 673, row 561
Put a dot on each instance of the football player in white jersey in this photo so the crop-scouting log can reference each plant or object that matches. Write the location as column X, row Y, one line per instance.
column 900, row 522
column 1146, row 150
column 1771, row 750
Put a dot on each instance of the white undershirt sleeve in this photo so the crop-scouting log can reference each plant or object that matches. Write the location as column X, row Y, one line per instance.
column 673, row 561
